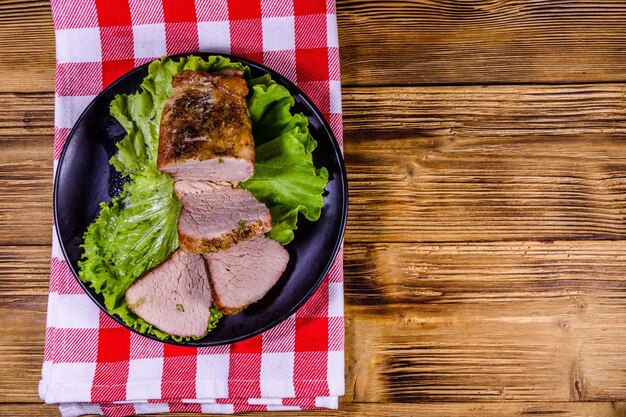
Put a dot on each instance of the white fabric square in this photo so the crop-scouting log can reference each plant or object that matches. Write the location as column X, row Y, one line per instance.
column 70, row 382
column 144, row 379
column 335, row 299
column 151, row 408
column 69, row 108
column 78, row 45
column 79, row 409
column 277, row 375
column 332, row 35
column 217, row 409
column 283, row 408
column 335, row 373
column 214, row 37
column 149, row 40
column 73, row 311
column 212, row 376
column 335, row 96
column 327, row 402
column 279, row 34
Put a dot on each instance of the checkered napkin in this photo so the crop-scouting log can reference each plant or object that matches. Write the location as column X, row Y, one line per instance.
column 91, row 364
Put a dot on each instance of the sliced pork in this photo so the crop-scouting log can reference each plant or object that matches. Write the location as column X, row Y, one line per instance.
column 206, row 129
column 175, row 296
column 217, row 216
column 244, row 273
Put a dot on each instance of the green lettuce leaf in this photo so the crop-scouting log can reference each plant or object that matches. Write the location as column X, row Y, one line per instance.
column 285, row 178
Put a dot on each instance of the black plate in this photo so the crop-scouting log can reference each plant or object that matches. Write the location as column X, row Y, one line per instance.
column 85, row 179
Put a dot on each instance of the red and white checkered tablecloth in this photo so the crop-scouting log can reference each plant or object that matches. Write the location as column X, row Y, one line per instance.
column 93, row 365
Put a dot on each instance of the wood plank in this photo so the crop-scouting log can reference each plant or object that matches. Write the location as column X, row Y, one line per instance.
column 421, row 41
column 486, row 163
column 564, row 409
column 27, row 45
column 23, row 324
column 424, row 164
column 509, row 321
column 493, row 321
column 26, row 153
column 408, row 42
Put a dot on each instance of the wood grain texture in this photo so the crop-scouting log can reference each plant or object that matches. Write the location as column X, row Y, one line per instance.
column 27, row 45
column 483, row 163
column 509, row 321
column 410, row 42
column 486, row 163
column 485, row 41
column 604, row 409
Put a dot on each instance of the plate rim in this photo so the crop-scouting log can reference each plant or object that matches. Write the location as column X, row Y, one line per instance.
column 280, row 79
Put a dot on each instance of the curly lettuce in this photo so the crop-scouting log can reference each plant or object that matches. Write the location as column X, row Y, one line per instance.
column 137, row 230
column 285, row 178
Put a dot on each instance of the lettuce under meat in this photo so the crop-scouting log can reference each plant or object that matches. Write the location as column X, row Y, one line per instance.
column 138, row 229
column 285, row 178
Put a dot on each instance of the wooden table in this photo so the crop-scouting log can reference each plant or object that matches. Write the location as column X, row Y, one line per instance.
column 486, row 245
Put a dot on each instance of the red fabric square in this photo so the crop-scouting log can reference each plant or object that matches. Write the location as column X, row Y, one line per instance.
column 82, row 345
column 117, row 43
column 64, row 282
column 311, row 334
column 336, row 124
column 312, row 64
column 317, row 305
column 248, row 408
column 112, row 70
column 302, row 7
column 178, row 11
column 69, row 14
column 244, row 375
column 143, row 348
column 336, row 330
column 79, row 79
column 318, row 91
column 331, row 7
column 277, row 8
column 181, row 37
column 185, row 408
column 310, row 371
column 211, row 10
column 253, row 56
column 106, row 322
column 305, row 403
column 175, row 350
column 179, row 376
column 144, row 12
column 311, row 31
column 336, row 270
column 113, row 12
column 113, row 345
column 244, row 9
column 252, row 345
column 333, row 64
column 60, row 137
column 284, row 62
column 246, row 36
column 109, row 382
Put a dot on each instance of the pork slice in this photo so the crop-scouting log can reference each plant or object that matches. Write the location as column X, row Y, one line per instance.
column 244, row 273
column 217, row 216
column 175, row 297
column 206, row 128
